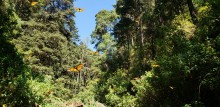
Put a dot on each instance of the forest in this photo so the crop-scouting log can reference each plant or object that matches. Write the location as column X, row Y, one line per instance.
column 149, row 53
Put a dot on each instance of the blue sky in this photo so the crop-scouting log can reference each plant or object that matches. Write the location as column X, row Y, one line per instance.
column 85, row 21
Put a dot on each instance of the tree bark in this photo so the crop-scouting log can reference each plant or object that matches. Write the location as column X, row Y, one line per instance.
column 192, row 11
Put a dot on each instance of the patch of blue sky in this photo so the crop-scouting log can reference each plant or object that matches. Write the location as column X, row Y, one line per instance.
column 85, row 21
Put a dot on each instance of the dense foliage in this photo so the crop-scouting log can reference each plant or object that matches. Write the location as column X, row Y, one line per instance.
column 167, row 53
column 38, row 45
column 150, row 53
column 14, row 73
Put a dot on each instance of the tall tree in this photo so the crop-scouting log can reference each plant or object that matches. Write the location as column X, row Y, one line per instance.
column 48, row 41
column 14, row 89
column 164, row 49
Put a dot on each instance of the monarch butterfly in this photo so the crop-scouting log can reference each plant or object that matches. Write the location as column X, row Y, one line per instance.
column 76, row 69
column 79, row 9
column 72, row 69
column 96, row 53
column 33, row 3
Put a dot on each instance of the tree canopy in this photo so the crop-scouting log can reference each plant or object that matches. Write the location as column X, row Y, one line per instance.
column 149, row 53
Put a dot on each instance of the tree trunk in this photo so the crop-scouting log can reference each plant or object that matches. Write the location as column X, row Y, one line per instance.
column 192, row 11
column 153, row 50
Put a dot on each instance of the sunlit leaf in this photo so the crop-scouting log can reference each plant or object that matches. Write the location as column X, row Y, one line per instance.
column 34, row 3
column 155, row 65
column 171, row 87
column 4, row 105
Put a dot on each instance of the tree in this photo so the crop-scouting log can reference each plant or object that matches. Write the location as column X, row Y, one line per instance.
column 167, row 52
column 14, row 89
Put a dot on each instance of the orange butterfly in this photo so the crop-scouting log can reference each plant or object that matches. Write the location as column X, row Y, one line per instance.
column 34, row 3
column 79, row 9
column 76, row 69
column 96, row 53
